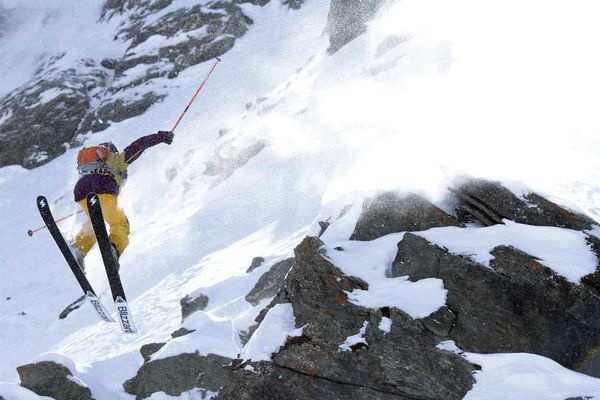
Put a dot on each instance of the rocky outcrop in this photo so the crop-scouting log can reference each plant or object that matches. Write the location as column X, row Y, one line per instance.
column 53, row 380
column 347, row 20
column 178, row 374
column 402, row 363
column 390, row 213
column 270, row 282
column 256, row 262
column 192, row 303
column 41, row 116
column 593, row 280
column 489, row 202
column 517, row 305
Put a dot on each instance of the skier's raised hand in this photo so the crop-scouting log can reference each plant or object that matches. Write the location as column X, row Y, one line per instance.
column 168, row 136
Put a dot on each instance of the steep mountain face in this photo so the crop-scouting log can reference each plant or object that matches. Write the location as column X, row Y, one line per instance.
column 340, row 347
column 158, row 39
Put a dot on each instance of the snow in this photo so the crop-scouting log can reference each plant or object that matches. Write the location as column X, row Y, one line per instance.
column 218, row 337
column 565, row 251
column 385, row 325
column 14, row 391
column 355, row 339
column 278, row 325
column 50, row 94
column 524, row 376
column 405, row 114
column 371, row 261
column 417, row 299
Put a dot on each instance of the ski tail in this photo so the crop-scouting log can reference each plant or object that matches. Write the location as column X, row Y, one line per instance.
column 110, row 264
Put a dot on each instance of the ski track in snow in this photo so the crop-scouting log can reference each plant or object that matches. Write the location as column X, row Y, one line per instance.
column 327, row 148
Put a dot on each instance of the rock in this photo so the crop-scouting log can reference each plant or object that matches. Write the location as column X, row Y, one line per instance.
column 182, row 332
column 256, row 262
column 517, row 305
column 440, row 322
column 190, row 304
column 347, row 20
column 178, row 374
column 270, row 282
column 54, row 380
column 45, row 113
column 593, row 280
column 148, row 349
column 323, row 225
column 489, row 202
column 116, row 110
column 390, row 213
column 403, row 363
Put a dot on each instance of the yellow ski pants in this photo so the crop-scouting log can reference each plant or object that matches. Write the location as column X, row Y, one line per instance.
column 116, row 219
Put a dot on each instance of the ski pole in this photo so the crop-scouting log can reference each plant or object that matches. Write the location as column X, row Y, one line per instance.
column 195, row 94
column 30, row 232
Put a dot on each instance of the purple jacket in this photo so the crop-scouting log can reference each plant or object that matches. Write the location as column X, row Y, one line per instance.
column 104, row 184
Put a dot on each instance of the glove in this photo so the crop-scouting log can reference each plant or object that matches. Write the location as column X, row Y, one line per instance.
column 168, row 136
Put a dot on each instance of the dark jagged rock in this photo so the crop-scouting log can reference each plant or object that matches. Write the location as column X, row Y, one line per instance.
column 191, row 304
column 256, row 262
column 323, row 225
column 182, row 332
column 440, row 322
column 178, row 374
column 270, row 382
column 489, row 202
column 54, row 380
column 347, row 20
column 270, row 282
column 390, row 213
column 46, row 113
column 403, row 363
column 593, row 280
column 517, row 305
column 148, row 349
column 112, row 110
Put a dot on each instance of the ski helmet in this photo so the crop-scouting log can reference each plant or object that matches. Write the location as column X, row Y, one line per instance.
column 110, row 147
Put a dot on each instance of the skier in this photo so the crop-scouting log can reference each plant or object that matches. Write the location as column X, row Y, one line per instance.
column 103, row 170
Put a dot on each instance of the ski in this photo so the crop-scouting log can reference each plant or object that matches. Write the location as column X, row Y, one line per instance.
column 111, row 264
column 89, row 294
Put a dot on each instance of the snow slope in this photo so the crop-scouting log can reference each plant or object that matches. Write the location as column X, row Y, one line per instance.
column 420, row 98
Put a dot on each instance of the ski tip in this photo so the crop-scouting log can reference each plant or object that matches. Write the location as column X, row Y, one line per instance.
column 42, row 202
column 92, row 199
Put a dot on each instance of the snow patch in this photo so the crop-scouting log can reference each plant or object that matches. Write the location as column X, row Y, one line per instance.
column 417, row 299
column 279, row 323
column 13, row 391
column 527, row 376
column 385, row 325
column 355, row 339
column 211, row 334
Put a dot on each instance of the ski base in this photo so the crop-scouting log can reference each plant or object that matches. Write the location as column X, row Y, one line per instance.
column 99, row 307
column 124, row 314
